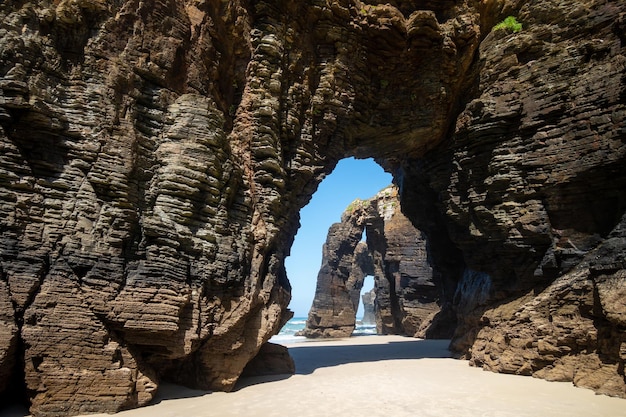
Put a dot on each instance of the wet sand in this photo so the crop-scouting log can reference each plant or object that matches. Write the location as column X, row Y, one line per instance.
column 383, row 376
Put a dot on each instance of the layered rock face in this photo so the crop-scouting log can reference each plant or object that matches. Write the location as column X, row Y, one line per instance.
column 405, row 295
column 128, row 245
column 154, row 157
column 531, row 188
column 346, row 262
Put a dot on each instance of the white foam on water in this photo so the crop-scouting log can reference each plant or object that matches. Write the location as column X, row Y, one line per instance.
column 287, row 334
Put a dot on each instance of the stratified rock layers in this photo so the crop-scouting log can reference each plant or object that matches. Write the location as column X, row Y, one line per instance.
column 394, row 252
column 531, row 188
column 135, row 239
column 154, row 157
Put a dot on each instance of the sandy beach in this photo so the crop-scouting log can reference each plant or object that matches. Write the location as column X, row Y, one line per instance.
column 383, row 376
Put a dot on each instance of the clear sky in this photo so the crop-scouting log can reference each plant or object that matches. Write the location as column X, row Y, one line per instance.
column 350, row 180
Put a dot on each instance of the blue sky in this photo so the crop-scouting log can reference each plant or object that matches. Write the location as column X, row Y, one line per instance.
column 351, row 179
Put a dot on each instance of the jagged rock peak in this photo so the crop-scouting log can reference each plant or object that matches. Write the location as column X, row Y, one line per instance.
column 384, row 202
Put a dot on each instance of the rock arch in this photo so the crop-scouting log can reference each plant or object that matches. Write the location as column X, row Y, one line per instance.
column 408, row 298
column 155, row 157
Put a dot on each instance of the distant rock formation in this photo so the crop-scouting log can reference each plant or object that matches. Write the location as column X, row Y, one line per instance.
column 346, row 261
column 405, row 292
column 155, row 155
column 369, row 309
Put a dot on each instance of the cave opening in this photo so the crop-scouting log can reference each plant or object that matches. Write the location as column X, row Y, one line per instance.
column 351, row 180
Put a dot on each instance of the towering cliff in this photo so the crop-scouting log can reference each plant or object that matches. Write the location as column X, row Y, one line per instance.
column 154, row 157
column 530, row 187
column 406, row 295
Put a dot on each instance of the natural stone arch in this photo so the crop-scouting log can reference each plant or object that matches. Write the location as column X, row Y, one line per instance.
column 408, row 298
column 155, row 156
column 170, row 200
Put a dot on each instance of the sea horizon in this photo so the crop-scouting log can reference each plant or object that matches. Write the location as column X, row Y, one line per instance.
column 287, row 334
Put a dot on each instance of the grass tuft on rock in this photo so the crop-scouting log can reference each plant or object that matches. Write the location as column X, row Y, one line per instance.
column 509, row 24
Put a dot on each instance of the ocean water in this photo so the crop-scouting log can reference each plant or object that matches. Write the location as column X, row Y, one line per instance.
column 288, row 333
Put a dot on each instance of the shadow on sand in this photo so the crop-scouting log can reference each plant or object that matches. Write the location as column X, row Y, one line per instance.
column 169, row 391
column 310, row 358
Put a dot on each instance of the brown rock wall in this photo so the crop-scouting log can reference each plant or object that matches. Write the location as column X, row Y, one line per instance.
column 346, row 262
column 529, row 187
column 8, row 339
column 95, row 371
column 406, row 264
column 154, row 157
column 369, row 309
column 158, row 153
column 117, row 171
column 572, row 331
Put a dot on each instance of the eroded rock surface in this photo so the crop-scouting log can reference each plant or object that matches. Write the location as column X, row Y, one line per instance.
column 531, row 188
column 272, row 359
column 154, row 157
